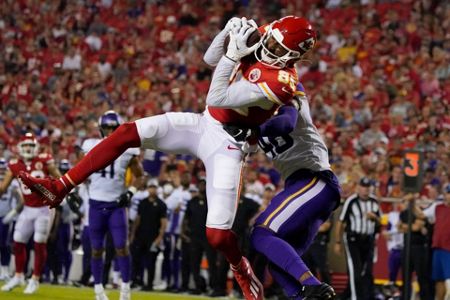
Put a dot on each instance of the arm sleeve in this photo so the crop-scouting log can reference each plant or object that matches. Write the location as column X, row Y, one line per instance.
column 215, row 50
column 281, row 124
column 239, row 94
column 430, row 213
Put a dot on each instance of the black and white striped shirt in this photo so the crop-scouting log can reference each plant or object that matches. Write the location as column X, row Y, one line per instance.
column 354, row 214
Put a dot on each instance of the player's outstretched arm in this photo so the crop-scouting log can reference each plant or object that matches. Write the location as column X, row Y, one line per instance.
column 215, row 50
column 283, row 123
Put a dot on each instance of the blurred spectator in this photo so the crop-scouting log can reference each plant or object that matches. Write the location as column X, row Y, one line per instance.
column 195, row 230
column 394, row 239
column 147, row 235
column 438, row 214
column 419, row 261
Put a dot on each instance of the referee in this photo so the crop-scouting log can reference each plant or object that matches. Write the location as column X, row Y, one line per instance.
column 360, row 217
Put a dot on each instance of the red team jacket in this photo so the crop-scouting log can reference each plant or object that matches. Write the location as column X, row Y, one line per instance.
column 37, row 167
column 277, row 85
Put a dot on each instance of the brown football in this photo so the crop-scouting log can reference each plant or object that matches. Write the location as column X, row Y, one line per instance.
column 253, row 39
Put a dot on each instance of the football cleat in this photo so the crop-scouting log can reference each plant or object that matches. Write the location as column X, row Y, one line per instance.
column 250, row 285
column 12, row 283
column 51, row 191
column 32, row 286
column 322, row 291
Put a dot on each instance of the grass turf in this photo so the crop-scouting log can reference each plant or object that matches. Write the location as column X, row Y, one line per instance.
column 54, row 292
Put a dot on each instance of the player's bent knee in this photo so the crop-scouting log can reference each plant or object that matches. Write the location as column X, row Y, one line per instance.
column 258, row 235
column 40, row 237
column 18, row 237
column 97, row 253
column 122, row 251
column 151, row 128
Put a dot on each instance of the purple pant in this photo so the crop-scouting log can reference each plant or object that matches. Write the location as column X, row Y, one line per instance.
column 287, row 227
column 395, row 262
column 104, row 217
column 64, row 252
column 5, row 256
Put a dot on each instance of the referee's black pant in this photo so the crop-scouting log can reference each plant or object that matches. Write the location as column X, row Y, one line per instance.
column 359, row 251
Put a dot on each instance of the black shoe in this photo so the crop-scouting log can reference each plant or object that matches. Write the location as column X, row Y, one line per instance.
column 147, row 288
column 217, row 293
column 317, row 292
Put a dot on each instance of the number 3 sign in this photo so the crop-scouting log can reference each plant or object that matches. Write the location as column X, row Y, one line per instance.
column 412, row 171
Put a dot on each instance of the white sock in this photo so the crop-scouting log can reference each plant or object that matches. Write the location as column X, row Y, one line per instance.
column 447, row 289
column 98, row 288
column 115, row 276
column 125, row 286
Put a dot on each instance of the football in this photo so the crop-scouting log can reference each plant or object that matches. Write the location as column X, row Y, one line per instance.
column 253, row 39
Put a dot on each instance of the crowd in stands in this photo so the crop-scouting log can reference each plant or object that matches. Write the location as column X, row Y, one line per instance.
column 378, row 79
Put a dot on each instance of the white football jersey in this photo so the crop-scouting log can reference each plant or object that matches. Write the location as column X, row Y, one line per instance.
column 135, row 201
column 7, row 199
column 176, row 206
column 303, row 148
column 108, row 184
column 83, row 192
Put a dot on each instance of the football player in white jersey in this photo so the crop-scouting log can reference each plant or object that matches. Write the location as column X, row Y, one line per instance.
column 259, row 85
column 109, row 198
column 286, row 228
column 6, row 215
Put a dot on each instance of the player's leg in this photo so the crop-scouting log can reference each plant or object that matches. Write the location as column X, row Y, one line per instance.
column 118, row 226
column 4, row 252
column 63, row 249
column 22, row 233
column 41, row 233
column 98, row 226
column 301, row 208
column 224, row 164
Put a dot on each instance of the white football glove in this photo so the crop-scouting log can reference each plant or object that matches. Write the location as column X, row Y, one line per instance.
column 237, row 48
column 232, row 23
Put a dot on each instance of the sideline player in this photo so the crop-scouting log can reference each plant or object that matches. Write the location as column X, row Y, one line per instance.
column 6, row 209
column 107, row 207
column 216, row 136
column 287, row 227
column 35, row 216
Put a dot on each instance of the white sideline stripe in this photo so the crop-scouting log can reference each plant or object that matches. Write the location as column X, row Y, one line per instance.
column 351, row 269
column 294, row 205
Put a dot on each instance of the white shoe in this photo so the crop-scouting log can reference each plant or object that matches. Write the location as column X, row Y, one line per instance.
column 101, row 296
column 125, row 292
column 161, row 286
column 12, row 283
column 32, row 286
column 100, row 292
column 4, row 273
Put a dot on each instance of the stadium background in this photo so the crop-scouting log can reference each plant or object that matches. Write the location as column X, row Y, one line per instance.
column 378, row 79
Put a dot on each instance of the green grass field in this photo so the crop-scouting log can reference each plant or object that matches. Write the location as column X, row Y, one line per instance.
column 53, row 292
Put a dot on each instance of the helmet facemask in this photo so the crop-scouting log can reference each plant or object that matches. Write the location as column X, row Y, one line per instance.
column 267, row 57
column 28, row 149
